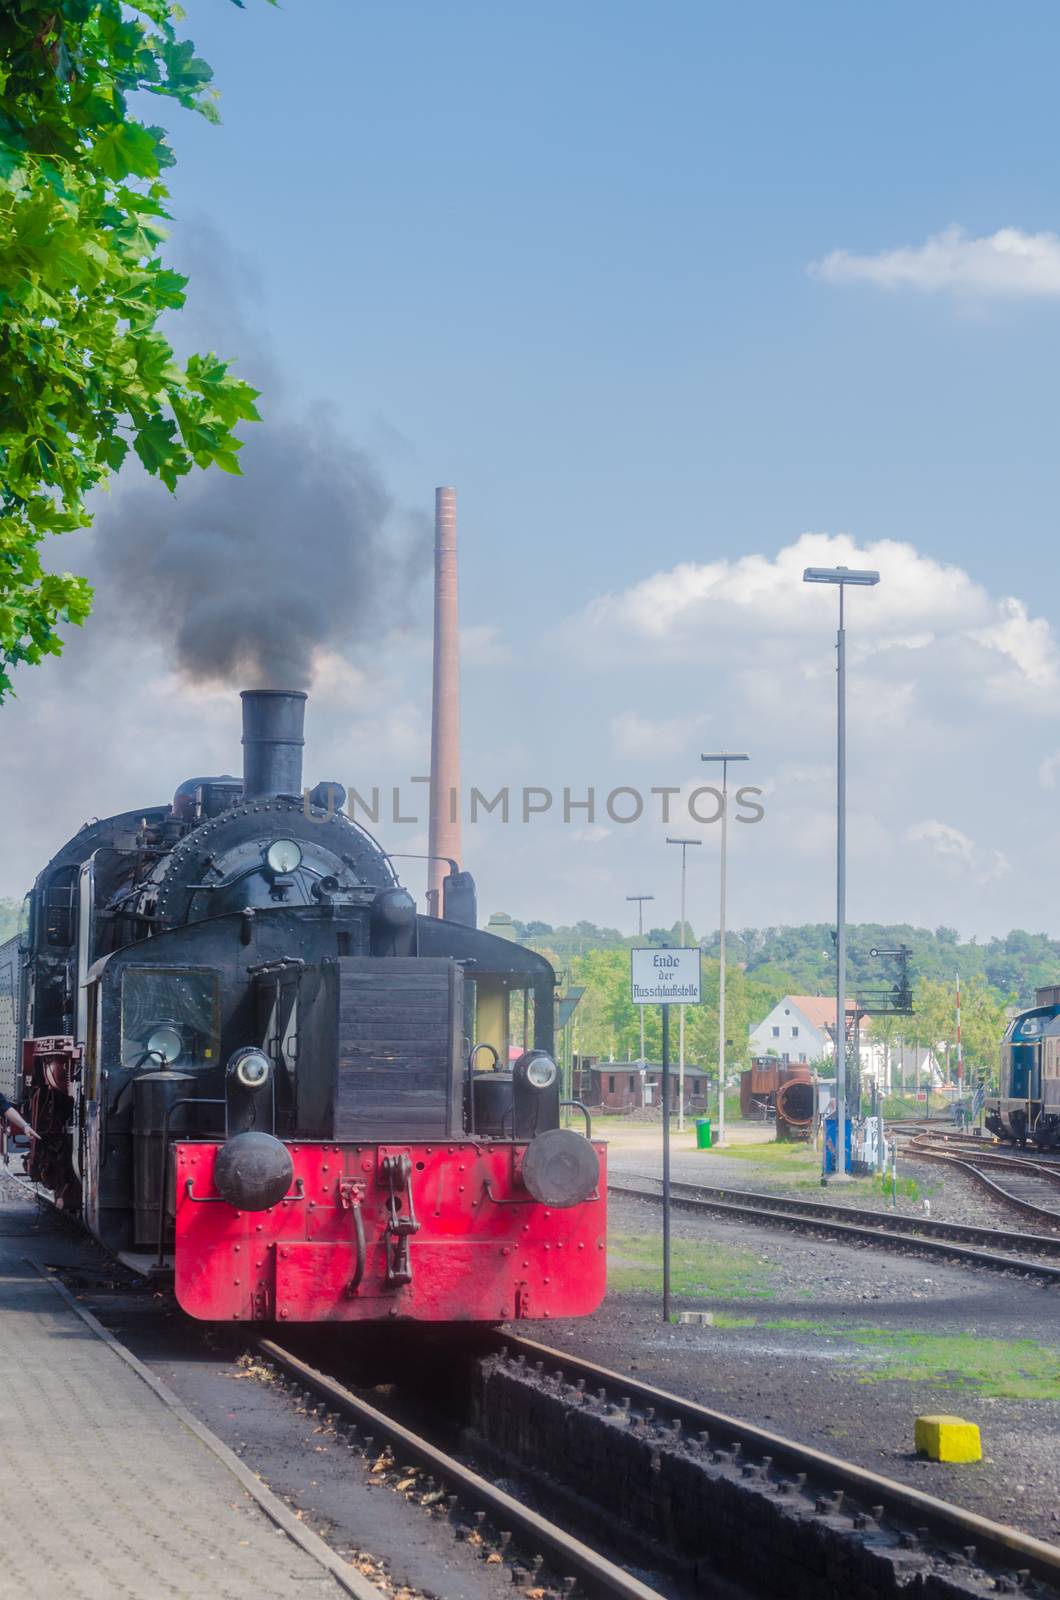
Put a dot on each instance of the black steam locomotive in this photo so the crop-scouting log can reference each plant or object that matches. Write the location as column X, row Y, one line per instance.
column 252, row 1063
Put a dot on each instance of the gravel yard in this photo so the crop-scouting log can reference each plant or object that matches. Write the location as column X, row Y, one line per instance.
column 754, row 1161
column 842, row 1348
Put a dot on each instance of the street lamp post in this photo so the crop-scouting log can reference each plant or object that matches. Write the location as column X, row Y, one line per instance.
column 684, row 843
column 724, row 757
column 840, row 576
column 640, row 899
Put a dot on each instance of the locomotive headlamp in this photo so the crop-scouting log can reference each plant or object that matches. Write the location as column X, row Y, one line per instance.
column 284, row 855
column 250, row 1067
column 167, row 1043
column 537, row 1069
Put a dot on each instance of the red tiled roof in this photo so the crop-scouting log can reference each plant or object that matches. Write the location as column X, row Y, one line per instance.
column 817, row 1008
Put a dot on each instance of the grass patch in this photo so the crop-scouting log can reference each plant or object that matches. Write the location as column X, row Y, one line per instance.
column 785, row 1155
column 699, row 1269
column 908, row 1187
column 1006, row 1369
column 1000, row 1369
column 799, row 1166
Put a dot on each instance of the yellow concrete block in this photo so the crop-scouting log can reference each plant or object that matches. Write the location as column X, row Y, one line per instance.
column 947, row 1439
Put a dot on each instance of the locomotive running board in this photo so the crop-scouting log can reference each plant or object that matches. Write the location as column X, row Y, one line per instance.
column 145, row 1264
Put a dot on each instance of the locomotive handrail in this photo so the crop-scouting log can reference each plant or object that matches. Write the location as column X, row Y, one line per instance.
column 174, row 1105
column 487, row 1189
column 297, row 1193
column 577, row 1105
column 531, row 1200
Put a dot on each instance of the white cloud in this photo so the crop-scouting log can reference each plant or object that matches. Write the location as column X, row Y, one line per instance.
column 943, row 672
column 1028, row 643
column 957, row 850
column 481, row 645
column 634, row 735
column 755, row 616
column 1008, row 263
column 1049, row 770
column 917, row 596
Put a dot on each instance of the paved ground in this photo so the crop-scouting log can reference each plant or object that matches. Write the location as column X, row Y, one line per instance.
column 135, row 1501
column 103, row 1491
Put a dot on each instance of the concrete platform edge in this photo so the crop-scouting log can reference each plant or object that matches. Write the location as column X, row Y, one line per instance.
column 353, row 1582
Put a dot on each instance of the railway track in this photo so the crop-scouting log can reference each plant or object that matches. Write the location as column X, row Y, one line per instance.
column 570, row 1558
column 1023, row 1183
column 993, row 1248
column 978, row 1144
column 771, row 1457
column 764, row 1487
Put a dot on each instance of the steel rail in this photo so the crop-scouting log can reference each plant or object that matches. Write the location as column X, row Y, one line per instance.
column 899, row 1223
column 997, row 1540
column 972, row 1169
column 990, row 1147
column 777, row 1210
column 1004, row 1161
column 567, row 1554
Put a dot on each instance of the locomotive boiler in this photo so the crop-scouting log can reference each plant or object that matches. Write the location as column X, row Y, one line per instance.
column 1027, row 1105
column 251, row 1063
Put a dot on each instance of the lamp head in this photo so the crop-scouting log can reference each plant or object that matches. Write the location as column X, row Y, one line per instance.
column 840, row 575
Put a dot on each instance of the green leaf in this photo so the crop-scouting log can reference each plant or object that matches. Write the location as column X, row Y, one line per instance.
column 84, row 366
column 161, row 455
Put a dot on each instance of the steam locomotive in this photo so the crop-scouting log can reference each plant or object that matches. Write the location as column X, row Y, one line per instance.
column 1027, row 1106
column 252, row 1064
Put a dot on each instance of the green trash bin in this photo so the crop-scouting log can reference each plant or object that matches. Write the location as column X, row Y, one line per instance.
column 702, row 1133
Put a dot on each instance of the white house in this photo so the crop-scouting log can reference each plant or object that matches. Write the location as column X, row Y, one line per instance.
column 801, row 1028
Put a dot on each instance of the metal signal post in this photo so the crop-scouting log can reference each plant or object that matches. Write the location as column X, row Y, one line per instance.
column 684, row 843
column 666, row 1158
column 640, row 899
column 665, row 978
column 840, row 576
column 724, row 758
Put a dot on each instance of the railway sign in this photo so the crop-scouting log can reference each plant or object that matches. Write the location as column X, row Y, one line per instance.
column 665, row 977
column 567, row 1004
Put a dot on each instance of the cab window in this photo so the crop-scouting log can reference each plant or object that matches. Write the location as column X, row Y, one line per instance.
column 170, row 1017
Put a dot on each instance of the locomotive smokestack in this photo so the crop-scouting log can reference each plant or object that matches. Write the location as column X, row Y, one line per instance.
column 445, row 703
column 272, row 741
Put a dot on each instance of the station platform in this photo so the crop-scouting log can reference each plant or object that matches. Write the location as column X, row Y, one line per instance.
column 107, row 1486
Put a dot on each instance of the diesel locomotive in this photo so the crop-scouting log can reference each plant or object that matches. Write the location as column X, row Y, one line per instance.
column 251, row 1063
column 1027, row 1106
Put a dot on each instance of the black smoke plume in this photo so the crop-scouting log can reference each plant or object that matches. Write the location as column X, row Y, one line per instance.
column 247, row 578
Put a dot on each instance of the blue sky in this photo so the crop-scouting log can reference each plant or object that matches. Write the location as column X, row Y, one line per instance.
column 562, row 251
column 560, row 256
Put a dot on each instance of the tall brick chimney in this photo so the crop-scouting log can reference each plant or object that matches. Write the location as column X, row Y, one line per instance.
column 445, row 702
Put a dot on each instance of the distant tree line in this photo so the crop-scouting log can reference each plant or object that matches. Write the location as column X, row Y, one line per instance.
column 804, row 956
column 765, row 964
